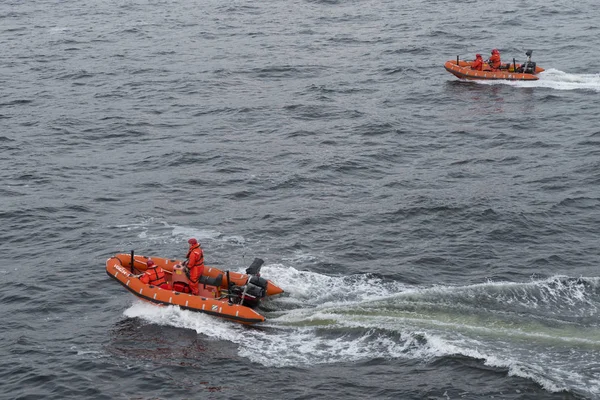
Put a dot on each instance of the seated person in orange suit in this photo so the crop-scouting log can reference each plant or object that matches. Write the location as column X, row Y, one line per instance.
column 478, row 63
column 494, row 60
column 155, row 275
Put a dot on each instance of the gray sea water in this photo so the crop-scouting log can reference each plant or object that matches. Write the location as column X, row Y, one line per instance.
column 436, row 239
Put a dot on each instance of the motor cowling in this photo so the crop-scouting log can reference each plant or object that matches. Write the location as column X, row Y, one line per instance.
column 528, row 67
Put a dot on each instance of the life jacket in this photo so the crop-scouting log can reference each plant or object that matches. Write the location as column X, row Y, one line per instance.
column 156, row 275
column 495, row 61
column 199, row 262
column 477, row 64
column 198, row 251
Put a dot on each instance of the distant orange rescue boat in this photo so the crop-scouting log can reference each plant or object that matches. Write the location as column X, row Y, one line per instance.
column 510, row 71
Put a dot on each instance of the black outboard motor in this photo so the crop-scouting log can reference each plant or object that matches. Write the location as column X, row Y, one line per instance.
column 528, row 66
column 248, row 295
column 253, row 291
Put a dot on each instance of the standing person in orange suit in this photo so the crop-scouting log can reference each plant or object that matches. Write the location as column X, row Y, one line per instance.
column 195, row 264
column 494, row 60
column 155, row 275
column 478, row 63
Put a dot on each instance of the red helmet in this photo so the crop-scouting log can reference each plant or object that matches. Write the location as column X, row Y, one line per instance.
column 149, row 263
column 495, row 51
column 193, row 241
column 477, row 55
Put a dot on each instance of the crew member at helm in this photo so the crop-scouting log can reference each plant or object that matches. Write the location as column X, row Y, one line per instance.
column 155, row 275
column 478, row 63
column 195, row 264
column 494, row 60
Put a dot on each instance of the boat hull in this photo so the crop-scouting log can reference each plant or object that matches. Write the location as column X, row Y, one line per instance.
column 463, row 70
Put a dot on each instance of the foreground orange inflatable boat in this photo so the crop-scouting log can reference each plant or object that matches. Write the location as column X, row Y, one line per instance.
column 509, row 71
column 225, row 294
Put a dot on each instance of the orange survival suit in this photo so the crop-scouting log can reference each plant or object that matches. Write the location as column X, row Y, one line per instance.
column 195, row 264
column 494, row 60
column 155, row 275
column 478, row 63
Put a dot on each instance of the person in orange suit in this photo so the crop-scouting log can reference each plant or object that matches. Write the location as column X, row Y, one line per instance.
column 478, row 63
column 195, row 264
column 494, row 60
column 154, row 275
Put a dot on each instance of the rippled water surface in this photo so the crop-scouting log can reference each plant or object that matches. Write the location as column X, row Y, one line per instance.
column 436, row 239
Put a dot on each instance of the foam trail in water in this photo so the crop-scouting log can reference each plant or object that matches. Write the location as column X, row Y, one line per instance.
column 555, row 79
column 174, row 316
column 309, row 289
column 533, row 330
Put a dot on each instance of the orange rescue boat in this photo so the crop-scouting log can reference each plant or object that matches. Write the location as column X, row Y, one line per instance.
column 226, row 294
column 510, row 71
